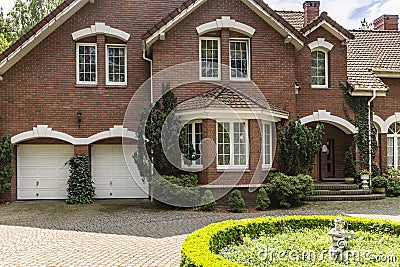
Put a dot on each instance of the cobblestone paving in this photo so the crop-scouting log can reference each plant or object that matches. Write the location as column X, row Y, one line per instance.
column 125, row 233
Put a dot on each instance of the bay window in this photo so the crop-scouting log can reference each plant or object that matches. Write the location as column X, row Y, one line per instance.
column 232, row 144
column 193, row 137
column 267, row 145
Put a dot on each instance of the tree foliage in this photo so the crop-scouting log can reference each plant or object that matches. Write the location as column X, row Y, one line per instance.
column 6, row 168
column 349, row 170
column 298, row 145
column 236, row 201
column 365, row 25
column 23, row 16
column 80, row 184
column 158, row 132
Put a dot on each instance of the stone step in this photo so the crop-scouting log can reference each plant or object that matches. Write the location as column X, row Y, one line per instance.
column 345, row 197
column 335, row 186
column 342, row 192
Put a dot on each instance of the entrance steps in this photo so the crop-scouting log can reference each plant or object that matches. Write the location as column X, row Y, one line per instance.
column 341, row 192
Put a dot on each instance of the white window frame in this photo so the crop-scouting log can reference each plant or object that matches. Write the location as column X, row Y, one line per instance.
column 248, row 78
column 77, row 64
column 108, row 82
column 194, row 165
column 231, row 145
column 219, row 59
column 326, row 85
column 396, row 143
column 264, row 164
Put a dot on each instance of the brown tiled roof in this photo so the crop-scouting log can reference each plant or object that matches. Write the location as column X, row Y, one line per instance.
column 321, row 18
column 372, row 50
column 295, row 18
column 223, row 97
column 36, row 28
column 186, row 4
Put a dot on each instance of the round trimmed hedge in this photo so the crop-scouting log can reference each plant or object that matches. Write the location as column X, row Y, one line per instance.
column 201, row 247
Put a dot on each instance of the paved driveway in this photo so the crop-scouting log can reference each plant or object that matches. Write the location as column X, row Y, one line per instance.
column 124, row 233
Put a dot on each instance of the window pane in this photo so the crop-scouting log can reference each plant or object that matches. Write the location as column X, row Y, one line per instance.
column 87, row 63
column 239, row 59
column 116, row 64
column 209, row 58
column 318, row 71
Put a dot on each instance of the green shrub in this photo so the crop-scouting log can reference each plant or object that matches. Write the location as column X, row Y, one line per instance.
column 236, row 201
column 379, row 182
column 200, row 248
column 349, row 169
column 177, row 191
column 393, row 188
column 287, row 191
column 80, row 184
column 208, row 201
column 262, row 200
column 6, row 166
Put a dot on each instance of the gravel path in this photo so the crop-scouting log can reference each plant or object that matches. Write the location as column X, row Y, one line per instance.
column 125, row 232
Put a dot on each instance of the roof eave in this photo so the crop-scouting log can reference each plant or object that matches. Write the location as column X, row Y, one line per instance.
column 327, row 26
column 24, row 48
column 362, row 91
column 384, row 73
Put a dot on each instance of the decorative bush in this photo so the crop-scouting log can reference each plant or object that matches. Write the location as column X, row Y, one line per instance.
column 208, row 201
column 349, row 170
column 202, row 246
column 262, row 200
column 80, row 184
column 379, row 182
column 6, row 168
column 236, row 201
column 174, row 191
column 393, row 188
column 298, row 145
column 392, row 173
column 287, row 191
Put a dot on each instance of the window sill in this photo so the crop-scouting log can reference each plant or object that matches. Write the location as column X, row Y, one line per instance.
column 196, row 168
column 116, row 86
column 205, row 79
column 86, row 85
column 231, row 169
column 240, row 80
column 319, row 87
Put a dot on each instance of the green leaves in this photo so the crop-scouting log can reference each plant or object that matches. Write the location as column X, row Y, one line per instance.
column 6, row 168
column 349, row 169
column 80, row 184
column 298, row 145
column 236, row 201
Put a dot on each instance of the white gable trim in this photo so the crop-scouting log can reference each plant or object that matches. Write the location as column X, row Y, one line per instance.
column 100, row 28
column 43, row 131
column 226, row 22
column 45, row 31
column 298, row 44
column 389, row 121
column 330, row 29
column 320, row 44
column 324, row 116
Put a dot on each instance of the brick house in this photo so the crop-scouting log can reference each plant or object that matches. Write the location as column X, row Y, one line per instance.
column 238, row 68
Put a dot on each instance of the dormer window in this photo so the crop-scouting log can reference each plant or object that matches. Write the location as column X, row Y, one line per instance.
column 319, row 63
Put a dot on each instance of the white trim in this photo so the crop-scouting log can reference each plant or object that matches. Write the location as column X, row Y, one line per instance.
column 297, row 43
column 100, row 28
column 126, row 64
column 330, row 29
column 326, row 85
column 320, row 44
column 248, row 78
column 324, row 116
column 379, row 123
column 77, row 64
column 219, row 59
column 231, row 145
column 225, row 22
column 365, row 91
column 389, row 121
column 43, row 131
column 265, row 165
column 40, row 35
column 383, row 73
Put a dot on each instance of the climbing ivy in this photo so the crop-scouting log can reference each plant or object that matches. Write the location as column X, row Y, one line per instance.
column 6, row 168
column 359, row 106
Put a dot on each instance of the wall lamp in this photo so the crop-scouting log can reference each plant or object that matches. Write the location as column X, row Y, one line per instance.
column 79, row 115
column 297, row 88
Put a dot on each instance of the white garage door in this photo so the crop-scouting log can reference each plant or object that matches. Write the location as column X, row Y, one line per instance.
column 111, row 175
column 41, row 171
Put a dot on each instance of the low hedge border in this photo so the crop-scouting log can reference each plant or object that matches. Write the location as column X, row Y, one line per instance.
column 200, row 248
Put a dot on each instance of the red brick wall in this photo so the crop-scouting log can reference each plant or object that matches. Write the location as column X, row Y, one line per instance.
column 385, row 107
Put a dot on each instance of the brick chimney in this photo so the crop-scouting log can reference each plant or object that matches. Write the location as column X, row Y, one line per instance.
column 387, row 23
column 311, row 11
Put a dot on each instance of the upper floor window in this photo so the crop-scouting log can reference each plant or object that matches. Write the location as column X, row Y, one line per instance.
column 210, row 58
column 86, row 60
column 232, row 144
column 239, row 59
column 319, row 69
column 116, row 65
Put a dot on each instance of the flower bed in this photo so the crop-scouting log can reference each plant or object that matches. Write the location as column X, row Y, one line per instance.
column 201, row 248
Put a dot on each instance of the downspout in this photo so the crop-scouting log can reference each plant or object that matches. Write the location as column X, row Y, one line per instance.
column 369, row 132
column 151, row 69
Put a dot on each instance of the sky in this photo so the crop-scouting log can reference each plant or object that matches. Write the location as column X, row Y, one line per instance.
column 348, row 13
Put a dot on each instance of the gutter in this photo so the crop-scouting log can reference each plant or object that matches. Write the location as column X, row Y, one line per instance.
column 369, row 132
column 151, row 70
